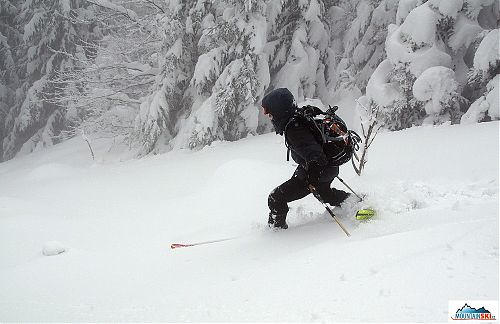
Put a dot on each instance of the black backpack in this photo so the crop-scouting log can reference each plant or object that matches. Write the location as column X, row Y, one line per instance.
column 339, row 143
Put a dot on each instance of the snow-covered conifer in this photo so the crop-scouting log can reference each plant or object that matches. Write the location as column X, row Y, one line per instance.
column 483, row 77
column 486, row 107
column 364, row 39
column 54, row 40
column 357, row 31
column 180, row 30
column 297, row 47
column 187, row 73
column 436, row 33
column 10, row 38
column 229, row 77
column 437, row 87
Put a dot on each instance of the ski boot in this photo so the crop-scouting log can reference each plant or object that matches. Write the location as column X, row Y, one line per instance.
column 277, row 221
column 340, row 197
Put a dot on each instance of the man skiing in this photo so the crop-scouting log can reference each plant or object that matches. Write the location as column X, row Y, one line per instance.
column 314, row 172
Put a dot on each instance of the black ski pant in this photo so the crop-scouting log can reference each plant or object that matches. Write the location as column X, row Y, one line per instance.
column 297, row 187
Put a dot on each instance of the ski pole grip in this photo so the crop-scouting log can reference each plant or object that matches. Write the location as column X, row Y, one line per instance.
column 315, row 193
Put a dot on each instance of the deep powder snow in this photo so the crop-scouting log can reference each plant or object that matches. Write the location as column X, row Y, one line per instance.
column 435, row 237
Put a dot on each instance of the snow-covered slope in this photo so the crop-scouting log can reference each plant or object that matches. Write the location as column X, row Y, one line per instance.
column 435, row 237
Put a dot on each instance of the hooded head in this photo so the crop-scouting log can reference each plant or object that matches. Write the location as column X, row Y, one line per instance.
column 280, row 104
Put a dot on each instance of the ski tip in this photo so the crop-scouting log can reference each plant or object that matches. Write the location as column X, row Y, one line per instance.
column 364, row 214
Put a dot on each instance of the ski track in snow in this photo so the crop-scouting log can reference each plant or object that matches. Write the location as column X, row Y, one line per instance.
column 434, row 238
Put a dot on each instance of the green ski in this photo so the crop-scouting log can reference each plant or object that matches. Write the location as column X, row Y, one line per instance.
column 364, row 214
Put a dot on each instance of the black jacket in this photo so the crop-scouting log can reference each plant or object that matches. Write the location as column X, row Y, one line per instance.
column 304, row 147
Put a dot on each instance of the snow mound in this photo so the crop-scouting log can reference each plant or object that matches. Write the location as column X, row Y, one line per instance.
column 51, row 171
column 53, row 248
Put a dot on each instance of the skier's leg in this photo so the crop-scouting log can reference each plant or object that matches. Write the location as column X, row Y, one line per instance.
column 293, row 189
column 330, row 195
column 290, row 190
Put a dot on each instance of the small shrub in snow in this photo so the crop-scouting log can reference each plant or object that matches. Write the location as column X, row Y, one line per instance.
column 368, row 112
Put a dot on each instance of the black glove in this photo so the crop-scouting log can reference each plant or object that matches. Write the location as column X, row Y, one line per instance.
column 313, row 173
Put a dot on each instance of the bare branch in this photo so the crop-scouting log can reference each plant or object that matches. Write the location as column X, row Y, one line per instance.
column 155, row 5
column 368, row 135
column 376, row 132
column 117, row 8
column 363, row 129
column 358, row 172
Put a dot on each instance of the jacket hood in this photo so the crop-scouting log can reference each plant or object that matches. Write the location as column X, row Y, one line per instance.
column 281, row 105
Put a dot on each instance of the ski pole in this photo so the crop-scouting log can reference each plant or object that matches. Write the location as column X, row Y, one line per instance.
column 179, row 245
column 315, row 193
column 345, row 184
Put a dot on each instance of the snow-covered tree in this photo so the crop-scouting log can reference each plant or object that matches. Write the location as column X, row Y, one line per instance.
column 229, row 78
column 297, row 58
column 53, row 40
column 358, row 30
column 10, row 38
column 172, row 74
column 486, row 107
column 103, row 97
column 213, row 71
column 181, row 28
column 437, row 88
column 363, row 39
column 486, row 69
column 429, row 34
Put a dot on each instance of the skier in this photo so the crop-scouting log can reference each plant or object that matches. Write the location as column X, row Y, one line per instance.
column 314, row 172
